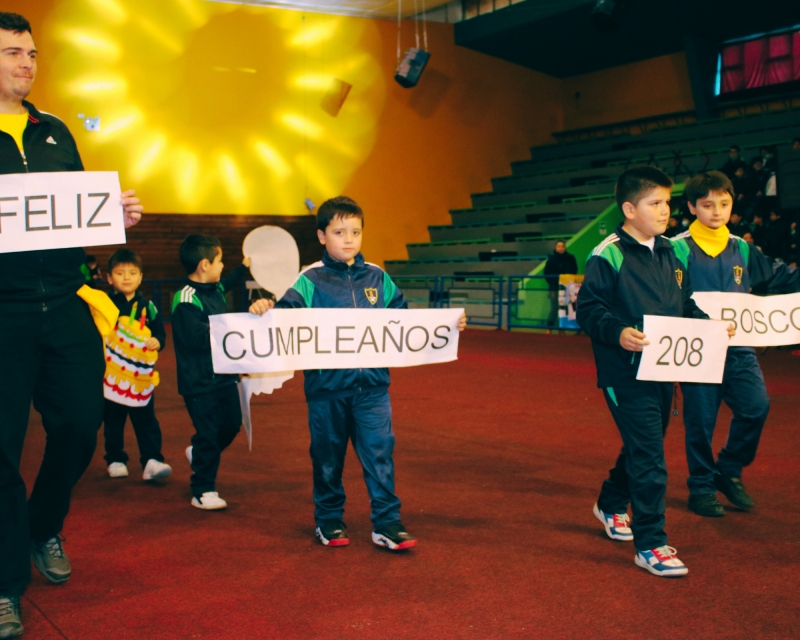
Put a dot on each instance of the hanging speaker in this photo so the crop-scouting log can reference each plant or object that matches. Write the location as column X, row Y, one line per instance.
column 411, row 66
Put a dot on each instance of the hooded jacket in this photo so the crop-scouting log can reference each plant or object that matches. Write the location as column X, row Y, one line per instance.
column 625, row 281
column 335, row 285
column 40, row 280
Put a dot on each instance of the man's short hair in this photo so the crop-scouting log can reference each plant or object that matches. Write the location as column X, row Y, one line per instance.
column 700, row 185
column 341, row 207
column 637, row 182
column 735, row 146
column 195, row 248
column 14, row 22
column 124, row 256
column 757, row 159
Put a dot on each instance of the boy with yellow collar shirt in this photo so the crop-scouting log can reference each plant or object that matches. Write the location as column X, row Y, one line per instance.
column 718, row 261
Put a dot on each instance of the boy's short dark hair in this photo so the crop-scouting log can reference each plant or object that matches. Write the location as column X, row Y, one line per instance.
column 14, row 22
column 757, row 159
column 195, row 248
column 340, row 206
column 124, row 256
column 700, row 185
column 736, row 146
column 638, row 181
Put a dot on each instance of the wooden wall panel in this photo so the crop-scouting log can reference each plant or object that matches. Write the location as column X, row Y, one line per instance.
column 159, row 235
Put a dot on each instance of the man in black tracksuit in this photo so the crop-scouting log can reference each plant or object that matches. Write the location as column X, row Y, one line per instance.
column 633, row 273
column 53, row 352
column 211, row 399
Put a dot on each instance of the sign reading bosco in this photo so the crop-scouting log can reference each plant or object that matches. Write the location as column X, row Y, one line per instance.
column 683, row 350
column 291, row 339
column 769, row 321
column 60, row 210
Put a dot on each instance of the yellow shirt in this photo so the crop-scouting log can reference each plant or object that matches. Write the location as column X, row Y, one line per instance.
column 14, row 125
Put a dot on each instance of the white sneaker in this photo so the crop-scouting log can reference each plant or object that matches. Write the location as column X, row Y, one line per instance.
column 662, row 561
column 189, row 454
column 155, row 470
column 209, row 501
column 118, row 470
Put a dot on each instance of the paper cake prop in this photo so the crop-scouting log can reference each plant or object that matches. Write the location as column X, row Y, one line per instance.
column 130, row 366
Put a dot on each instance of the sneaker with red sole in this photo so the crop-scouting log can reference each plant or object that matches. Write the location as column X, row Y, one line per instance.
column 393, row 536
column 617, row 524
column 332, row 533
column 662, row 561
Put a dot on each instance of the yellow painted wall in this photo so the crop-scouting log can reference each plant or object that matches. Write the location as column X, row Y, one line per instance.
column 215, row 108
column 646, row 88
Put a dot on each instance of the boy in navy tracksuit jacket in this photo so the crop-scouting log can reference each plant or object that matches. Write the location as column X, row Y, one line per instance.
column 211, row 399
column 718, row 261
column 125, row 276
column 633, row 273
column 349, row 403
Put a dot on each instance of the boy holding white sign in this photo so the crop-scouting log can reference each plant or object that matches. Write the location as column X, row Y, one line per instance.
column 719, row 261
column 634, row 273
column 349, row 404
column 211, row 399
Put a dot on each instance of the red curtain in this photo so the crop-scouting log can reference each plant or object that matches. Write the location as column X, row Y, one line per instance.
column 761, row 62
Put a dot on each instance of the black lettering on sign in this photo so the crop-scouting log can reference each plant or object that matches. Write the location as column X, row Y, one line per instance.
column 730, row 316
column 772, row 324
column 791, row 318
column 225, row 345
column 685, row 351
column 371, row 340
column 342, row 339
column 388, row 332
column 53, row 216
column 288, row 346
column 30, row 212
column 666, row 364
column 105, row 197
column 408, row 339
column 253, row 344
column 316, row 342
column 697, row 345
column 749, row 315
column 7, row 214
column 758, row 317
column 436, row 334
column 80, row 220
column 300, row 340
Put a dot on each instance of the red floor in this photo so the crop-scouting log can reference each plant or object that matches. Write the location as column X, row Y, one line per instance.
column 499, row 459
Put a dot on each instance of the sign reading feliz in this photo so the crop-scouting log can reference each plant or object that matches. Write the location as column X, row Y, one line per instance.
column 60, row 210
column 291, row 339
column 683, row 350
column 769, row 321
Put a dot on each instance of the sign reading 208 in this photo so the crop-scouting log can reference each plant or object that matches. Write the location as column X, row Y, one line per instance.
column 683, row 350
column 59, row 210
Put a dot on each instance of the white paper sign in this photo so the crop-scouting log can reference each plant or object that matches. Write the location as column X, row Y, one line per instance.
column 293, row 339
column 760, row 321
column 683, row 350
column 255, row 385
column 60, row 210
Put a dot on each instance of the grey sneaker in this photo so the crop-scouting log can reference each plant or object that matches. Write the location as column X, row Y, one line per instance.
column 10, row 620
column 51, row 561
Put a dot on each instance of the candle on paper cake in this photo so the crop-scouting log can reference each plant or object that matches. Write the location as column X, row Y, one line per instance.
column 130, row 376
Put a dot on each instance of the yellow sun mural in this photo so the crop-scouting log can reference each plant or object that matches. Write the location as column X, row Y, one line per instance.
column 216, row 108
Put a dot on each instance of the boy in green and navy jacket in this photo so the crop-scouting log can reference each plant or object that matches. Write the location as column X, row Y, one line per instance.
column 211, row 399
column 634, row 273
column 718, row 261
column 349, row 404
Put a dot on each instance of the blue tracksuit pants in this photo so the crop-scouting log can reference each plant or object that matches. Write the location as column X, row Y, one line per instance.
column 640, row 474
column 744, row 391
column 366, row 419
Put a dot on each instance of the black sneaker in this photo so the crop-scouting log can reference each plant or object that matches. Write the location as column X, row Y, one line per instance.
column 733, row 490
column 333, row 533
column 706, row 504
column 51, row 561
column 10, row 619
column 393, row 536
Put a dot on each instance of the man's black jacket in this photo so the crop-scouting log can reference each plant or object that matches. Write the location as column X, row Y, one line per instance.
column 558, row 263
column 625, row 281
column 40, row 280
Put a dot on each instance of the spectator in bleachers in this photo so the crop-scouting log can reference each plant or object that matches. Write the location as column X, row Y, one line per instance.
column 768, row 163
column 733, row 162
column 739, row 183
column 775, row 237
column 559, row 262
column 758, row 230
column 748, row 238
column 673, row 227
column 754, row 186
column 737, row 226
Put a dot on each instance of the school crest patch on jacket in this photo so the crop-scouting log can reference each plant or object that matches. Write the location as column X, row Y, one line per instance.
column 372, row 295
column 679, row 277
column 737, row 274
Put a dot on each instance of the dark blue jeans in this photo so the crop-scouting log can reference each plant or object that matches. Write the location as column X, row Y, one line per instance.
column 640, row 474
column 744, row 391
column 366, row 419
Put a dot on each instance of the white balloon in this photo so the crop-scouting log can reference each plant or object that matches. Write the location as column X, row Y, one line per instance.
column 275, row 258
